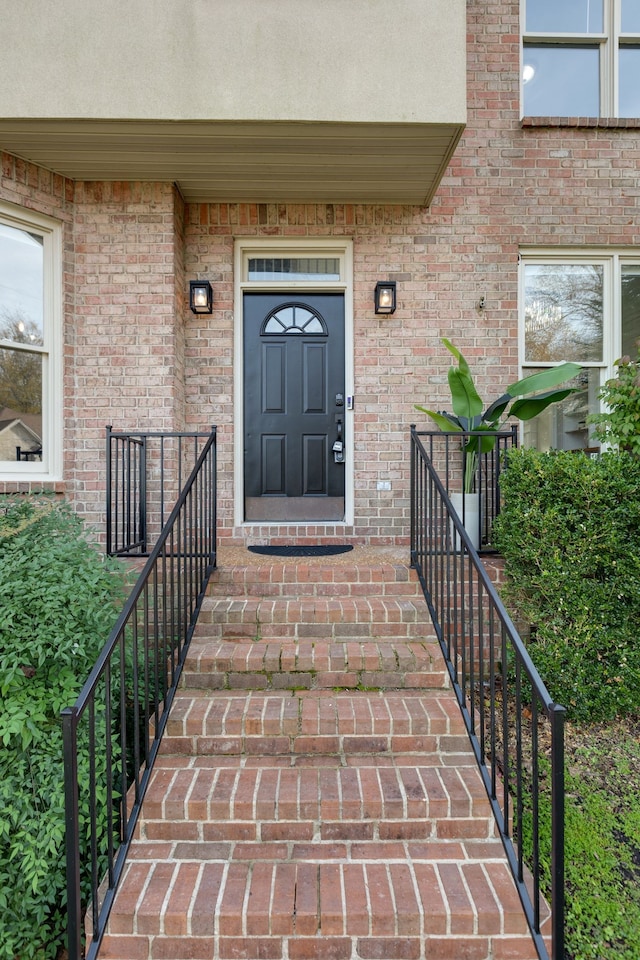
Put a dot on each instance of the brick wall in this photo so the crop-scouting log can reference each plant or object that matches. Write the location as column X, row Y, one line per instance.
column 134, row 351
column 128, row 367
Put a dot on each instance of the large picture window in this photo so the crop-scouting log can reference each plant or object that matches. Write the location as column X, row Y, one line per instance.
column 581, row 58
column 30, row 399
column 581, row 309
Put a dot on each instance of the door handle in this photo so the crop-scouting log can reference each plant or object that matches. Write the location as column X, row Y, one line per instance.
column 338, row 446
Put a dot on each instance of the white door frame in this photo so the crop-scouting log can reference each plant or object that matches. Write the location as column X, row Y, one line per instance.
column 244, row 248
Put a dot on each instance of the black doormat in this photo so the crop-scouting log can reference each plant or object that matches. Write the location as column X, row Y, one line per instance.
column 330, row 550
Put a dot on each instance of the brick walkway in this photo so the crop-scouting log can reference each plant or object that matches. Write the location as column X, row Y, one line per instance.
column 316, row 796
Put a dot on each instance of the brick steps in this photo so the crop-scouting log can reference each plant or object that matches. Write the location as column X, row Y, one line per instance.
column 317, row 801
column 315, row 795
column 336, row 618
column 314, row 579
column 316, row 723
column 395, row 908
column 295, row 665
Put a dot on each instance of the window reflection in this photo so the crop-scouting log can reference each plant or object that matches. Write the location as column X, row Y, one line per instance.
column 630, row 16
column 561, row 80
column 294, row 268
column 563, row 426
column 20, row 405
column 21, row 285
column 21, row 328
column 629, row 87
column 631, row 310
column 565, row 16
column 563, row 313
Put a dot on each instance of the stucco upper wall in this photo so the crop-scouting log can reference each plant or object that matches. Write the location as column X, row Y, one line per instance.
column 316, row 60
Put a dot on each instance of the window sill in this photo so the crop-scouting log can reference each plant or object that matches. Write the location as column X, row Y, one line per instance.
column 602, row 123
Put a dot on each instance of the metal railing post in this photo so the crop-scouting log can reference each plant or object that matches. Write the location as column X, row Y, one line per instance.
column 72, row 832
column 108, row 517
column 557, row 830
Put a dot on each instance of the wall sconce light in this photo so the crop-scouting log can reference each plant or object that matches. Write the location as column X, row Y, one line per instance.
column 385, row 296
column 200, row 296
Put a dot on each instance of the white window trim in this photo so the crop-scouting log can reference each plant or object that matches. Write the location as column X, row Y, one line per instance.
column 244, row 249
column 50, row 468
column 608, row 42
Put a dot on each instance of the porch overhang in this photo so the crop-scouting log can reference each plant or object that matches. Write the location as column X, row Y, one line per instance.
column 259, row 161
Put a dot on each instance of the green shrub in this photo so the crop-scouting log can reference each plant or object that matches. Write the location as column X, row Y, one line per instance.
column 569, row 531
column 620, row 425
column 602, row 817
column 58, row 601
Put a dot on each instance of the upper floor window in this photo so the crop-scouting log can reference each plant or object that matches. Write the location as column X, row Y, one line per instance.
column 30, row 401
column 581, row 58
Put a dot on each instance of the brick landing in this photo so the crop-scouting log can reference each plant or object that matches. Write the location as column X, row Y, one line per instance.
column 316, row 796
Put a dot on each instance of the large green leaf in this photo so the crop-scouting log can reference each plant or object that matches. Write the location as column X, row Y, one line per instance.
column 462, row 363
column 479, row 443
column 464, row 396
column 443, row 420
column 530, row 407
column 469, row 424
column 493, row 413
column 550, row 377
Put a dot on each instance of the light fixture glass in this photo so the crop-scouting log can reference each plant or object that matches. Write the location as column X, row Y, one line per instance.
column 200, row 296
column 385, row 296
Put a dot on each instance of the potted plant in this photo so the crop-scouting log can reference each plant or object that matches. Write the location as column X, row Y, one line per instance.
column 470, row 416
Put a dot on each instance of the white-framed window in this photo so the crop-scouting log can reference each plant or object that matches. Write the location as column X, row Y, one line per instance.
column 30, row 345
column 583, row 307
column 580, row 58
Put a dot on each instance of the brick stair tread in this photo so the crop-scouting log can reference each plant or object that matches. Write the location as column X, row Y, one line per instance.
column 328, row 609
column 438, row 895
column 306, row 578
column 317, row 790
column 219, row 663
column 314, row 713
column 316, row 723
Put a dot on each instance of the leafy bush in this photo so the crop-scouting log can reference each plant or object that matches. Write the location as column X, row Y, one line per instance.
column 58, row 601
column 602, row 818
column 569, row 531
column 620, row 426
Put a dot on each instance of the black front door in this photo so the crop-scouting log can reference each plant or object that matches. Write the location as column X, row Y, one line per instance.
column 294, row 406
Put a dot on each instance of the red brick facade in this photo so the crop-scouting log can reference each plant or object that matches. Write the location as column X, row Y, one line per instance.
column 137, row 358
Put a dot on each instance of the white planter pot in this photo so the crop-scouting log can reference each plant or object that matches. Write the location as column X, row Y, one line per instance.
column 467, row 506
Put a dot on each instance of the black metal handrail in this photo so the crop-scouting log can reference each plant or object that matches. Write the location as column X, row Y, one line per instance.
column 515, row 728
column 145, row 475
column 112, row 733
column 447, row 453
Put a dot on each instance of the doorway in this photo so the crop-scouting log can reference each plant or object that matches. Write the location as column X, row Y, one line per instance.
column 294, row 406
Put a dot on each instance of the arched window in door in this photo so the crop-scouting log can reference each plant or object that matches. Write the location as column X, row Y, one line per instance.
column 294, row 318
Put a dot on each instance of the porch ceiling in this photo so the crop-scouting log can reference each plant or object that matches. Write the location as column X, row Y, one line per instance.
column 254, row 161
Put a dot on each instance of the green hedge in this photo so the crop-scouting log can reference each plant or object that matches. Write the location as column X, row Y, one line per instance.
column 59, row 599
column 569, row 531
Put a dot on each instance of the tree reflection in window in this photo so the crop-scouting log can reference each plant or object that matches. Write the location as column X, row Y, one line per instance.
column 294, row 318
column 22, row 353
column 563, row 312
